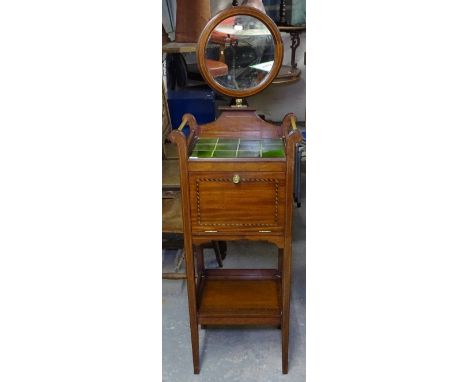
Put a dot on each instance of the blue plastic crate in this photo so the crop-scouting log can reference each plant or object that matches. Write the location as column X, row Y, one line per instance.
column 199, row 102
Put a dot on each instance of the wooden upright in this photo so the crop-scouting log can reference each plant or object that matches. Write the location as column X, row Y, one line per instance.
column 237, row 199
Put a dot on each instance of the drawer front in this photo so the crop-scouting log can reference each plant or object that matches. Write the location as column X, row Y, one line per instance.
column 237, row 202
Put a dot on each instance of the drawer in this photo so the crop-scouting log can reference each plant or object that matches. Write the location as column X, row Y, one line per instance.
column 237, row 201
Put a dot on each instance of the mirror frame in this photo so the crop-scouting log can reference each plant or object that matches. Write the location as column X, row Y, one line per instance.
column 206, row 33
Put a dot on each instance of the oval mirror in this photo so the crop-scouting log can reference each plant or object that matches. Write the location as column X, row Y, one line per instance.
column 240, row 52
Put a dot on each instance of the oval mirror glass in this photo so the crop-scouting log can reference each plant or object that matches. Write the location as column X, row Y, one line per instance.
column 240, row 51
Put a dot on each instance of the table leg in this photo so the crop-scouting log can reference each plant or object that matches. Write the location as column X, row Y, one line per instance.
column 286, row 283
column 192, row 300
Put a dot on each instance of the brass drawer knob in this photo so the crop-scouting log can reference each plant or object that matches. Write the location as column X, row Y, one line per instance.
column 236, row 179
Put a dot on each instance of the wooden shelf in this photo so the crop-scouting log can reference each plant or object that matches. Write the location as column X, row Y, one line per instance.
column 291, row 74
column 287, row 74
column 291, row 28
column 171, row 151
column 234, row 297
column 170, row 174
column 180, row 47
column 172, row 214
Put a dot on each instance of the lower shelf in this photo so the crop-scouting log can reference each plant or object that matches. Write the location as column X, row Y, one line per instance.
column 287, row 74
column 240, row 300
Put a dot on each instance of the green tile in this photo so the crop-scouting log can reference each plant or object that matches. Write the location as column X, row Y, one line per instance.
column 207, row 140
column 205, row 146
column 200, row 154
column 242, row 148
column 249, row 146
column 272, row 141
column 224, row 154
column 257, row 144
column 273, row 147
column 226, row 146
column 248, row 154
column 250, row 141
column 228, row 140
column 273, row 153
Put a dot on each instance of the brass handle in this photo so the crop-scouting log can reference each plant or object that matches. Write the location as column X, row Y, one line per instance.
column 293, row 123
column 182, row 124
column 236, row 179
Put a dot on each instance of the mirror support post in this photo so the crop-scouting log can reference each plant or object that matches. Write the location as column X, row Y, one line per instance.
column 238, row 102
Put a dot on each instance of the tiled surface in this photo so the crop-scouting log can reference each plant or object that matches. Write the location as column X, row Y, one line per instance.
column 238, row 148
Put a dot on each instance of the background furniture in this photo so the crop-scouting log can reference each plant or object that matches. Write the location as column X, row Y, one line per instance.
column 200, row 102
column 290, row 73
column 172, row 224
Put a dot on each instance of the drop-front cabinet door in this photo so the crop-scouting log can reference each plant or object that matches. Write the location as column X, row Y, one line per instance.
column 237, row 202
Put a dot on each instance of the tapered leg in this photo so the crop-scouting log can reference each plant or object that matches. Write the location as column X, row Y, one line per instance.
column 191, row 293
column 280, row 267
column 200, row 259
column 286, row 283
